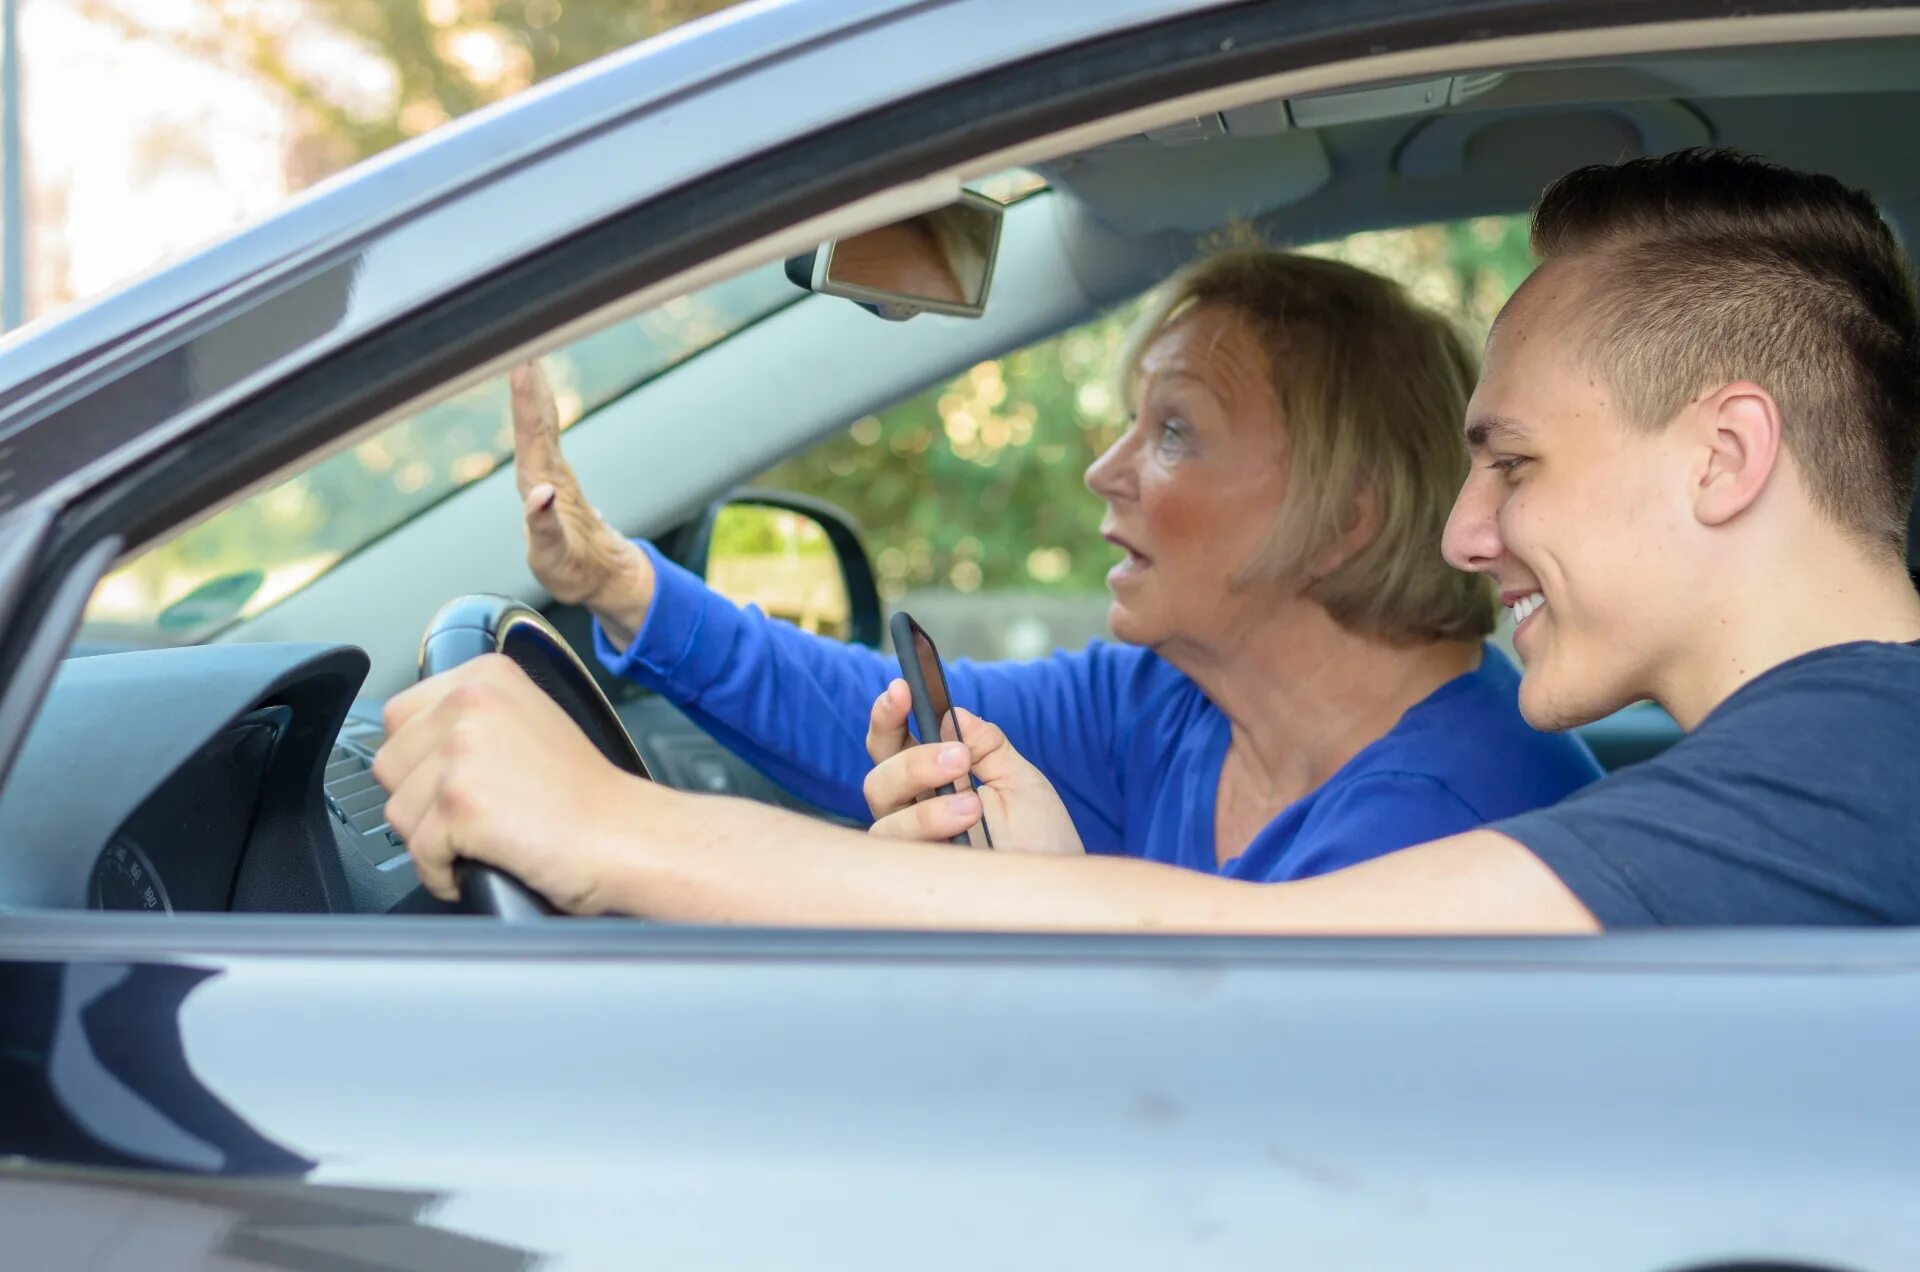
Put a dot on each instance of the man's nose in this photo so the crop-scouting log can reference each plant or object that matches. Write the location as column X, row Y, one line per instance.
column 1471, row 541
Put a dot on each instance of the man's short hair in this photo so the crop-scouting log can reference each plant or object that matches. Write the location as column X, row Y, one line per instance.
column 1372, row 389
column 1705, row 267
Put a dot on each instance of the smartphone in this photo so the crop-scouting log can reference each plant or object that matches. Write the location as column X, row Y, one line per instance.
column 933, row 715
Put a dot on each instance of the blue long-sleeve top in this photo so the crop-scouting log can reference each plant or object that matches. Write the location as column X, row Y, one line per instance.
column 1131, row 744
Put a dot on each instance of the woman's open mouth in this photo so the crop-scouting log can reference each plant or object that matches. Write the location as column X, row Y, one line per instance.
column 1130, row 565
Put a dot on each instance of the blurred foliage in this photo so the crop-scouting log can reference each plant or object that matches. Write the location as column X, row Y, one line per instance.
column 975, row 484
column 783, row 562
column 754, row 530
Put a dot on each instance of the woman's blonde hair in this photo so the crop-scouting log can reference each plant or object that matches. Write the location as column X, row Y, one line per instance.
column 1373, row 389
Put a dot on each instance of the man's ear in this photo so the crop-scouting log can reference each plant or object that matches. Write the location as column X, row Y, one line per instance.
column 1740, row 425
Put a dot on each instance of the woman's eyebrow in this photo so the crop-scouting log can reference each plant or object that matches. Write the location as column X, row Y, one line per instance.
column 1484, row 430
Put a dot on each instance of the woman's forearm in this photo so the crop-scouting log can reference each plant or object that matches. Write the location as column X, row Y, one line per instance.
column 622, row 600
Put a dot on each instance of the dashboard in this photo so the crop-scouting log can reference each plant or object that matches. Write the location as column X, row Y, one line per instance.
column 181, row 849
column 189, row 779
column 239, row 777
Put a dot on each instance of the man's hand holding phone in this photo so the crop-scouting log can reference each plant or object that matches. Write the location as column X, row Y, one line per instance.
column 1015, row 797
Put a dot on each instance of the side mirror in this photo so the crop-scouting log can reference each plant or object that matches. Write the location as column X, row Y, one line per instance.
column 797, row 558
column 937, row 262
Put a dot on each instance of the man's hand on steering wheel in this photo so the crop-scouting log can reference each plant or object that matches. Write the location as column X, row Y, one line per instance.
column 481, row 765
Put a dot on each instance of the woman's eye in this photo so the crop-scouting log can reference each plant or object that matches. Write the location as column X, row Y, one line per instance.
column 1174, row 434
column 1508, row 465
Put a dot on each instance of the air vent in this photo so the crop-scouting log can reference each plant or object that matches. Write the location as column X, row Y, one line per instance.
column 356, row 800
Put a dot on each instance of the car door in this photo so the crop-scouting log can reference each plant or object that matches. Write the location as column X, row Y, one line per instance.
column 315, row 1091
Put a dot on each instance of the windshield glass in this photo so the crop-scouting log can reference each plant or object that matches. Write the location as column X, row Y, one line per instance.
column 260, row 551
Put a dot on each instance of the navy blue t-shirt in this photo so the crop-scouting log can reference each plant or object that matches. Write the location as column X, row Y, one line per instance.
column 1796, row 801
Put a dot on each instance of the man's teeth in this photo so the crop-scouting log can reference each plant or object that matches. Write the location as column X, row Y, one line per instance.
column 1521, row 608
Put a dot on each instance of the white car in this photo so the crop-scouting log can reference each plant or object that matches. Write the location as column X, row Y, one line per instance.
column 288, row 1060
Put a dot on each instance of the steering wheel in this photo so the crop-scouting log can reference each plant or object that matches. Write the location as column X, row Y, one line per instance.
column 468, row 627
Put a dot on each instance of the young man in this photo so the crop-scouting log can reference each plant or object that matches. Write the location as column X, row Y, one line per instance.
column 1694, row 442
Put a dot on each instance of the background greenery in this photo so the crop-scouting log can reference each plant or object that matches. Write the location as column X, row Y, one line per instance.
column 976, row 484
column 973, row 485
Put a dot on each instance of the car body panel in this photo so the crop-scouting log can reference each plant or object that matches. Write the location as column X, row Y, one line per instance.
column 760, row 1099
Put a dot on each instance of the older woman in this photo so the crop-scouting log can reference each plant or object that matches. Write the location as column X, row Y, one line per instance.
column 1301, row 683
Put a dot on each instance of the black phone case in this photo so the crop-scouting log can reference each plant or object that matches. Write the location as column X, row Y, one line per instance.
column 926, row 719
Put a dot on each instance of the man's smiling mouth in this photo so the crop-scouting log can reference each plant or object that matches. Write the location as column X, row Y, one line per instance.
column 1522, row 605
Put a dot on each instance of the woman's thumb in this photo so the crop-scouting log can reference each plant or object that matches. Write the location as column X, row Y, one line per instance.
column 542, row 511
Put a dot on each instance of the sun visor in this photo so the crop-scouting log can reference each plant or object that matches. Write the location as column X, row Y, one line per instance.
column 1545, row 141
column 1148, row 184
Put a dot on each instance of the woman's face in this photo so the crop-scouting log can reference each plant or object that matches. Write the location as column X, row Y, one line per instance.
column 1193, row 485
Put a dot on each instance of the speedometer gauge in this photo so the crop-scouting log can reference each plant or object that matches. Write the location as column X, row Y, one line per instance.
column 124, row 879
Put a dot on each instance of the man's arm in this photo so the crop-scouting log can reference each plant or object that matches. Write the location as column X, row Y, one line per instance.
column 482, row 765
column 694, row 859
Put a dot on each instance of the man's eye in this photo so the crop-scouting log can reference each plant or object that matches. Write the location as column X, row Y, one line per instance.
column 1508, row 465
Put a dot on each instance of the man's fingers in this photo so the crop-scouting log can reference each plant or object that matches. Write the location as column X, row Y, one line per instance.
column 415, row 722
column 887, row 724
column 413, row 810
column 416, row 700
column 933, row 821
column 432, row 850
column 897, row 782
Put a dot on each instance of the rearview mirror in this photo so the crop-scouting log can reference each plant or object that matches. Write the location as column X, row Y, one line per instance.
column 937, row 262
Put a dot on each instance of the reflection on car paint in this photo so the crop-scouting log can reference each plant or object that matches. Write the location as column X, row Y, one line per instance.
column 104, row 1117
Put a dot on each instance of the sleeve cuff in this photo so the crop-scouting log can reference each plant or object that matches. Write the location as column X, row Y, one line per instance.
column 686, row 640
column 1600, row 886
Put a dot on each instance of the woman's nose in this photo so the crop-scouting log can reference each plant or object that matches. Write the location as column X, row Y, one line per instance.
column 1471, row 541
column 1110, row 476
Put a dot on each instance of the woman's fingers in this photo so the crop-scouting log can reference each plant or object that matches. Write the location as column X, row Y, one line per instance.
column 900, row 780
column 887, row 724
column 537, row 458
column 987, row 745
column 933, row 821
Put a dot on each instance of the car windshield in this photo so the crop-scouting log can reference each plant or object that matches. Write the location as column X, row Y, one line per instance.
column 242, row 560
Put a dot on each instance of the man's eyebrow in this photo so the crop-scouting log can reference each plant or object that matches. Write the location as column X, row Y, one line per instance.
column 1484, row 430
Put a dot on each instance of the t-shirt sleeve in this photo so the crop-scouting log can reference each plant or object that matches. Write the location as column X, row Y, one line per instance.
column 1785, row 807
column 1372, row 816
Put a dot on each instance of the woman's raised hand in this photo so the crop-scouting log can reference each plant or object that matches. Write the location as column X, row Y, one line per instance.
column 1022, row 809
column 576, row 555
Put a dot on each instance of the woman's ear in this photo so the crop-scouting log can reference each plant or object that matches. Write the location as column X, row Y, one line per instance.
column 1739, row 426
column 1362, row 523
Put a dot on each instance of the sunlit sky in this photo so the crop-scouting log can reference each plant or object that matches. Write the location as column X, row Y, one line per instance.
column 139, row 150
